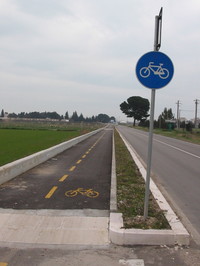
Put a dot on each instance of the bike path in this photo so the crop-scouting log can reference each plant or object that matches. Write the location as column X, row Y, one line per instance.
column 84, row 169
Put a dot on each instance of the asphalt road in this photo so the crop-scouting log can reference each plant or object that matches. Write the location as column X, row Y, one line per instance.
column 78, row 178
column 175, row 167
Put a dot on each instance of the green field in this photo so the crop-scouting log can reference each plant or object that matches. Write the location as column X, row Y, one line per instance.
column 18, row 143
column 20, row 138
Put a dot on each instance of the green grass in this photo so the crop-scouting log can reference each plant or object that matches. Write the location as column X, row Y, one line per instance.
column 18, row 143
column 131, row 193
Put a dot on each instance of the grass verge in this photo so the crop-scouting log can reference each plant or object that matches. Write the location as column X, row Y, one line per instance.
column 131, row 193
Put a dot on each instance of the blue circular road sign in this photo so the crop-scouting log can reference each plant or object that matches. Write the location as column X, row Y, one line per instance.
column 154, row 70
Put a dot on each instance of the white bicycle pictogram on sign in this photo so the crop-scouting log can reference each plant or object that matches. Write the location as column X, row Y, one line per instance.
column 163, row 73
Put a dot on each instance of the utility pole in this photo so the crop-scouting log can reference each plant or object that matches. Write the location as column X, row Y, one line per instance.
column 195, row 119
column 178, row 115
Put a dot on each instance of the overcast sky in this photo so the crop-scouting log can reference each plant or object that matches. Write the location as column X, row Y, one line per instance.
column 80, row 55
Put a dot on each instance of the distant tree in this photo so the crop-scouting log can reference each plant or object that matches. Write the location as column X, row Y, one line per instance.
column 189, row 126
column 43, row 115
column 22, row 115
column 94, row 118
column 103, row 118
column 2, row 113
column 167, row 114
column 112, row 118
column 53, row 115
column 87, row 119
column 12, row 115
column 67, row 116
column 81, row 118
column 74, row 117
column 34, row 115
column 136, row 107
column 161, row 122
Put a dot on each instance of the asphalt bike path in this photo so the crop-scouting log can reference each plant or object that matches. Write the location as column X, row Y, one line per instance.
column 78, row 178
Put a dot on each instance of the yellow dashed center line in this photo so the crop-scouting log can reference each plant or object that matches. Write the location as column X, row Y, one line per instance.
column 72, row 168
column 3, row 264
column 51, row 192
column 63, row 178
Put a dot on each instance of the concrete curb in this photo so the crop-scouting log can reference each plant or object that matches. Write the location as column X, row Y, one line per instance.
column 113, row 189
column 11, row 170
column 120, row 236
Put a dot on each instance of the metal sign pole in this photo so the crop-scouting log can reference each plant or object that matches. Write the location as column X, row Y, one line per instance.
column 146, row 203
column 157, row 44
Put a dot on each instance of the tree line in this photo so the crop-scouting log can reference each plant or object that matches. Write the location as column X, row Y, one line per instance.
column 104, row 118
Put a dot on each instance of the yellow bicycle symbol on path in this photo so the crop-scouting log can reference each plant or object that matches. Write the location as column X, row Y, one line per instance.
column 86, row 192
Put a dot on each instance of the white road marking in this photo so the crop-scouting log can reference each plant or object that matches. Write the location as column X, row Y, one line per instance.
column 171, row 146
column 198, row 157
column 132, row 262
